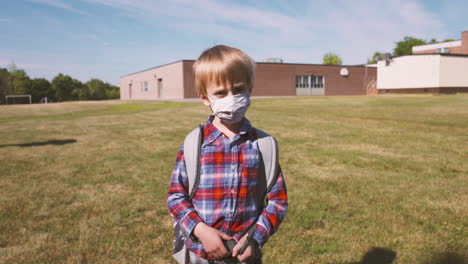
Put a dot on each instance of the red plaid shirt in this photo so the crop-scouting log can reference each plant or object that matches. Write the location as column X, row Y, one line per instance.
column 226, row 198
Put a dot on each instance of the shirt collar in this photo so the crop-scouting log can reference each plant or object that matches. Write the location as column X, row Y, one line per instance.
column 212, row 133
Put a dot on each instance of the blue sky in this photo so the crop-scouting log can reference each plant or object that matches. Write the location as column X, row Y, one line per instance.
column 106, row 39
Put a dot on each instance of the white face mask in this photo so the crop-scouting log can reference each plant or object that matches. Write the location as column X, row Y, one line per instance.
column 231, row 109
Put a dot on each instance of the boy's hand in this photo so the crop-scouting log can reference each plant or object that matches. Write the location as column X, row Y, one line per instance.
column 247, row 253
column 212, row 240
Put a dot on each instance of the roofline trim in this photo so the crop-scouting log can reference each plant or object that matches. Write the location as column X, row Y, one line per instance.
column 310, row 64
column 167, row 64
column 440, row 54
column 439, row 45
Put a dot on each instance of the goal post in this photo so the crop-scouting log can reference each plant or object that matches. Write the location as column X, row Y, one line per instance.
column 18, row 96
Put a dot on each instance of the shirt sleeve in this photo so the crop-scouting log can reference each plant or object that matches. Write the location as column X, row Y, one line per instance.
column 178, row 200
column 274, row 212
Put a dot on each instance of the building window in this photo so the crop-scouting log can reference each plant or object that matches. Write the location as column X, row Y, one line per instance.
column 305, row 81
column 318, row 81
column 310, row 85
column 144, row 86
column 443, row 50
column 309, row 81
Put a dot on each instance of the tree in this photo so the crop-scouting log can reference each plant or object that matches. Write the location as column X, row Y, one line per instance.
column 66, row 88
column 4, row 80
column 404, row 47
column 19, row 82
column 62, row 85
column 12, row 67
column 40, row 88
column 97, row 89
column 77, row 87
column 434, row 41
column 331, row 59
column 84, row 93
column 112, row 92
column 375, row 58
column 15, row 81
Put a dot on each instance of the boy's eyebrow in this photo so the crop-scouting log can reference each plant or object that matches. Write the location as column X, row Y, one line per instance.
column 219, row 88
column 239, row 84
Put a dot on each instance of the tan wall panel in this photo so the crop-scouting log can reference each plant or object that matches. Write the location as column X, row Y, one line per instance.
column 409, row 72
column 453, row 71
column 172, row 82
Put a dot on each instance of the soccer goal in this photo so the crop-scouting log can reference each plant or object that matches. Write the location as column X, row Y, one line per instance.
column 18, row 99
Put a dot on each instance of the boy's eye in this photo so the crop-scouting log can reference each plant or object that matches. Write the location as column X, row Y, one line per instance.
column 239, row 89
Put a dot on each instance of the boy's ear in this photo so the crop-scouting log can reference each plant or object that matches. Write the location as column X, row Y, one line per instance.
column 205, row 99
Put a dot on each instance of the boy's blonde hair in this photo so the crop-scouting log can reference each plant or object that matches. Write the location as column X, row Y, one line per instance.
column 223, row 64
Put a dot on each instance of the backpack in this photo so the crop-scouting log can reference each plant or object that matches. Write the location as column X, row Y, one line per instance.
column 268, row 151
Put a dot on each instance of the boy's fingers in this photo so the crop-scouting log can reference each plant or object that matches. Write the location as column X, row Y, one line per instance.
column 224, row 236
column 235, row 250
column 217, row 253
column 247, row 253
column 222, row 250
column 238, row 246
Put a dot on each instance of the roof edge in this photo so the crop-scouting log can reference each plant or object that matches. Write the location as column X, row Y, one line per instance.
column 311, row 64
column 440, row 54
column 152, row 68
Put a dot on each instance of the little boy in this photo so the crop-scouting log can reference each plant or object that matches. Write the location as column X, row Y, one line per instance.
column 225, row 205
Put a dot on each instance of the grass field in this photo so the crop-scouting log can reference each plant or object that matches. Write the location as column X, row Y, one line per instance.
column 378, row 179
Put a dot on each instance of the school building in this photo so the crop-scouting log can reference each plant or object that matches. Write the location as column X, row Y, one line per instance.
column 176, row 80
column 434, row 68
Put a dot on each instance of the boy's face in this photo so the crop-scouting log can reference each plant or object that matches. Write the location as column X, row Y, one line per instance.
column 215, row 91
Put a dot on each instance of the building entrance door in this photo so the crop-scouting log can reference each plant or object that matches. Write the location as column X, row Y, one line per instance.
column 160, row 88
column 310, row 85
column 130, row 91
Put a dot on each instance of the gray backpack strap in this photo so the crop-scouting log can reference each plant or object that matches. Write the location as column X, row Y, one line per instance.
column 269, row 152
column 268, row 148
column 192, row 148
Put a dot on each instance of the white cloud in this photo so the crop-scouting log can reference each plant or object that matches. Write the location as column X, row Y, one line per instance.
column 5, row 20
column 353, row 29
column 59, row 4
column 376, row 26
column 295, row 32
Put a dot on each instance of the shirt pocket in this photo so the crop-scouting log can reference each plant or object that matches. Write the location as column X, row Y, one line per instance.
column 250, row 159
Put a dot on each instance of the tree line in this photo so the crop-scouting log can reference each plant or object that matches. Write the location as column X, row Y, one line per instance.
column 14, row 81
column 402, row 47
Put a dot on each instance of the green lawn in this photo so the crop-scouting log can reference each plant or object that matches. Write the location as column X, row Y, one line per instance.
column 370, row 179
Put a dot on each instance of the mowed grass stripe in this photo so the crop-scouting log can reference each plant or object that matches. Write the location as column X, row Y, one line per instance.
column 385, row 172
column 111, row 109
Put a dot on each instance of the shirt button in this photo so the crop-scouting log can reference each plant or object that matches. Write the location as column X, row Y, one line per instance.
column 233, row 166
column 232, row 191
column 230, row 215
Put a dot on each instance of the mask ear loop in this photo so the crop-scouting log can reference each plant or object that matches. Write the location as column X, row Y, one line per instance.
column 211, row 103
